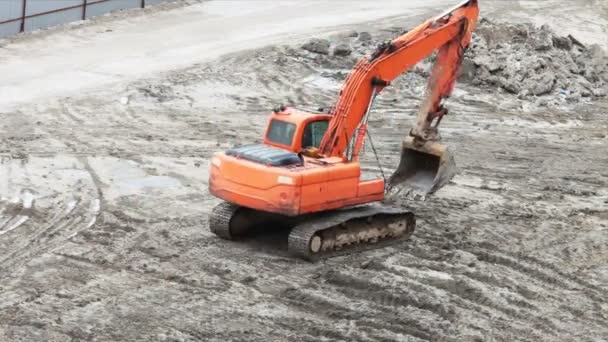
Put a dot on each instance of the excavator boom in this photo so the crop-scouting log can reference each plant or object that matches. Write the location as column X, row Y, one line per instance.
column 425, row 165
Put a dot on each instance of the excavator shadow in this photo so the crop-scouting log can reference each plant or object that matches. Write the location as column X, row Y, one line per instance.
column 322, row 235
column 267, row 239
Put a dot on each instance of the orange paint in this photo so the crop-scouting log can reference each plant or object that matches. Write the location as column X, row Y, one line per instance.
column 330, row 180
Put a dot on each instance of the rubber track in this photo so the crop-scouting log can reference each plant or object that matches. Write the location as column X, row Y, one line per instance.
column 219, row 220
column 298, row 243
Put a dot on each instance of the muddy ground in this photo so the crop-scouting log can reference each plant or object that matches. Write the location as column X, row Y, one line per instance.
column 104, row 234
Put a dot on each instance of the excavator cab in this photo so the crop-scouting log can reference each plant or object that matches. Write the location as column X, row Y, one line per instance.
column 294, row 130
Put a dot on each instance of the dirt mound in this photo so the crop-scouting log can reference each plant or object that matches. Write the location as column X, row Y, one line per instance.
column 520, row 59
column 531, row 61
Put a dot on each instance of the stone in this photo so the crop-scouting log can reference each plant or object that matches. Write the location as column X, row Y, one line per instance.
column 510, row 84
column 600, row 92
column 573, row 98
column 585, row 93
column 487, row 61
column 317, row 45
column 467, row 70
column 563, row 43
column 541, row 84
column 542, row 102
column 542, row 41
column 342, row 50
column 464, row 258
column 365, row 36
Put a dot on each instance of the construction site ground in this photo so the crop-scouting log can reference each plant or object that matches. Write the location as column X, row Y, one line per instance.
column 106, row 132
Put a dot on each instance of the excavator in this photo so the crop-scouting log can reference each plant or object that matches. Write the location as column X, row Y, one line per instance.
column 306, row 175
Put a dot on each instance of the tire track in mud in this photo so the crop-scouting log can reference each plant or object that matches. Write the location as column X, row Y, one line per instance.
column 535, row 273
column 67, row 221
column 314, row 303
column 522, row 272
column 513, row 306
column 14, row 215
column 535, row 284
column 46, row 226
column 462, row 297
column 533, row 262
column 402, row 294
column 183, row 284
column 547, row 280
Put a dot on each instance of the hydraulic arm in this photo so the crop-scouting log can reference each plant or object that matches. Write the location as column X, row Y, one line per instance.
column 449, row 34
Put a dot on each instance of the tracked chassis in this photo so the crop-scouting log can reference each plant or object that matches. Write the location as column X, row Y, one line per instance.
column 320, row 235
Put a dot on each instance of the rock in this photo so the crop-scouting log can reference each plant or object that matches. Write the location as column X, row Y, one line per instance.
column 493, row 80
column 541, row 84
column 600, row 92
column 563, row 43
column 511, row 85
column 481, row 75
column 591, row 74
column 465, row 258
column 365, row 36
column 467, row 70
column 520, row 30
column 542, row 102
column 317, row 45
column 576, row 41
column 494, row 35
column 574, row 68
column 491, row 64
column 543, row 40
column 342, row 50
column 597, row 56
column 585, row 93
column 352, row 33
column 573, row 98
column 249, row 279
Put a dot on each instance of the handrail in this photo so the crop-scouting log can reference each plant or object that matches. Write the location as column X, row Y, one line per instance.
column 84, row 5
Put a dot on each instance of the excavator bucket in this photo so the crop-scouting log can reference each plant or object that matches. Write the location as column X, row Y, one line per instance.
column 424, row 168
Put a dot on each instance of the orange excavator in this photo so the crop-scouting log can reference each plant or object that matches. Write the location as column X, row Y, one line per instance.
column 306, row 174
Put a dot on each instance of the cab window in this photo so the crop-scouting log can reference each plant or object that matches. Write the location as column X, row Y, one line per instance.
column 281, row 132
column 313, row 133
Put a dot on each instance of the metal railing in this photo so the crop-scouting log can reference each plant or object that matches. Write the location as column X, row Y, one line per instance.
column 84, row 5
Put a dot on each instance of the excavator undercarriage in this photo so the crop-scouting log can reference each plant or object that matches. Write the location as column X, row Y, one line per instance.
column 320, row 235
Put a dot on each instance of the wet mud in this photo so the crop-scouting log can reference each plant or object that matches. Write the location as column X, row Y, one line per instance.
column 104, row 209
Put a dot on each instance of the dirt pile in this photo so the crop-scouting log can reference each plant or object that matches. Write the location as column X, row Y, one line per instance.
column 520, row 59
column 531, row 61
